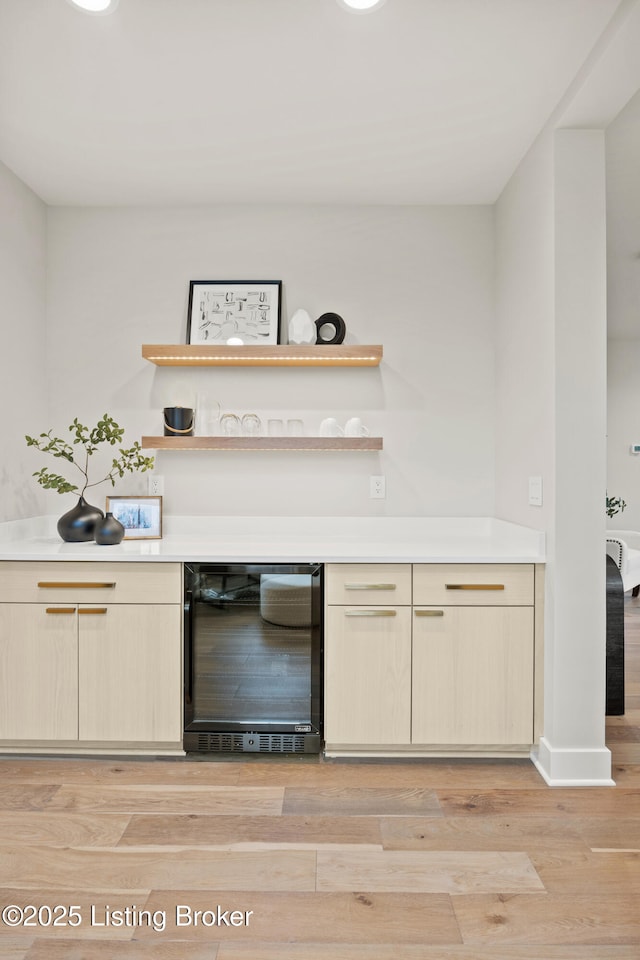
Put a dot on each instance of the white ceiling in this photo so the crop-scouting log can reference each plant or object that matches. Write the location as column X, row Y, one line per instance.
column 206, row 101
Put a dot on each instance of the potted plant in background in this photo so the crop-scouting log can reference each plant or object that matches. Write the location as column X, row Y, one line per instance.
column 80, row 523
column 614, row 505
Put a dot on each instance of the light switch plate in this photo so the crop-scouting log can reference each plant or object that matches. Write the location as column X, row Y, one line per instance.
column 535, row 491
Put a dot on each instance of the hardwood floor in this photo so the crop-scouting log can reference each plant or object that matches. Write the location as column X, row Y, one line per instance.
column 317, row 860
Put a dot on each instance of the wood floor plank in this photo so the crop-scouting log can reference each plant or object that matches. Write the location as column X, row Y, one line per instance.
column 169, row 798
column 114, row 950
column 556, row 919
column 63, row 829
column 429, row 773
column 625, row 752
column 571, row 872
column 19, row 797
column 83, row 770
column 328, row 918
column 233, row 830
column 559, row 802
column 625, row 774
column 454, row 872
column 136, row 869
column 482, row 833
column 618, row 832
column 618, row 733
column 361, row 801
column 390, row 951
column 13, row 948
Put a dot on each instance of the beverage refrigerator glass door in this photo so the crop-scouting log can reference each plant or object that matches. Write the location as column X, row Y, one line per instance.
column 253, row 657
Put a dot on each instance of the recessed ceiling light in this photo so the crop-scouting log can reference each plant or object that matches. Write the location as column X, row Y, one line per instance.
column 361, row 6
column 95, row 6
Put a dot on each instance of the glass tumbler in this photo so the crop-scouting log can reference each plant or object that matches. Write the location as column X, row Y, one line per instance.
column 251, row 425
column 229, row 425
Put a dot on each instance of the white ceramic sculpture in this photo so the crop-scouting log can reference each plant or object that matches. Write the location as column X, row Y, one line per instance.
column 302, row 329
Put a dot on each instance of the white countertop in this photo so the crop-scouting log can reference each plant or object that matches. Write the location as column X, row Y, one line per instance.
column 288, row 539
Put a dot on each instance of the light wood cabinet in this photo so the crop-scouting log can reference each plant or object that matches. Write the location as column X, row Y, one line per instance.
column 449, row 669
column 38, row 673
column 472, row 676
column 90, row 657
column 129, row 669
column 368, row 675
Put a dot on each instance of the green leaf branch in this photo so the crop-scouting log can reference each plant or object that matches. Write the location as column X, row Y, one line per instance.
column 84, row 444
column 614, row 505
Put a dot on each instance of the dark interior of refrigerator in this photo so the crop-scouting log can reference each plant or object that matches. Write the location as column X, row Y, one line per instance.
column 253, row 658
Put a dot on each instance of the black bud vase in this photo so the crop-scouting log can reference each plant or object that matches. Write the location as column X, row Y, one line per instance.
column 108, row 531
column 78, row 525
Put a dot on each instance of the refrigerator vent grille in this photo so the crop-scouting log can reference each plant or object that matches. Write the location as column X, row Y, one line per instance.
column 220, row 742
column 237, row 743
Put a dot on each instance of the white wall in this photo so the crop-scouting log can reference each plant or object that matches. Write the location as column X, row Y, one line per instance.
column 623, row 302
column 22, row 358
column 417, row 280
column 525, row 371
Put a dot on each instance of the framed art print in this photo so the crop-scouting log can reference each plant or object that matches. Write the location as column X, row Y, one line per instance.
column 234, row 311
column 141, row 517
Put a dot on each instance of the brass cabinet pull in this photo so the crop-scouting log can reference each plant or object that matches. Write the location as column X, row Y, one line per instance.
column 69, row 584
column 92, row 610
column 474, row 586
column 370, row 613
column 60, row 610
column 370, row 586
column 429, row 613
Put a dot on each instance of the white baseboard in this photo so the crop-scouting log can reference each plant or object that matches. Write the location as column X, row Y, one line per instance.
column 573, row 767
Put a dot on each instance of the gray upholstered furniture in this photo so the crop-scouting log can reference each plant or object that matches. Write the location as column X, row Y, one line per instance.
column 623, row 546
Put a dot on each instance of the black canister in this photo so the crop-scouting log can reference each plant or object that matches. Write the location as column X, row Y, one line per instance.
column 178, row 421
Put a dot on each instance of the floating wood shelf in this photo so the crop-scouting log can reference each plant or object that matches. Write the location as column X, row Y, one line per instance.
column 262, row 443
column 269, row 355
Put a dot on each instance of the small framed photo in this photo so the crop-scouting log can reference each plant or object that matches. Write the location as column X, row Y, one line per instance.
column 141, row 517
column 234, row 311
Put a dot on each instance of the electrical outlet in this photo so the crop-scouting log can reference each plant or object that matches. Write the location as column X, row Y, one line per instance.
column 156, row 485
column 377, row 488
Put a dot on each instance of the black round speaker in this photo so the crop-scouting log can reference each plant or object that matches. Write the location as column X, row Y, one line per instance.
column 331, row 328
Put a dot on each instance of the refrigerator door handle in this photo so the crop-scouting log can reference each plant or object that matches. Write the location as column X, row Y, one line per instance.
column 188, row 646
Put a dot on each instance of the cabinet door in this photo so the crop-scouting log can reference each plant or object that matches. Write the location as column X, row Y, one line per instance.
column 130, row 666
column 473, row 675
column 38, row 672
column 368, row 675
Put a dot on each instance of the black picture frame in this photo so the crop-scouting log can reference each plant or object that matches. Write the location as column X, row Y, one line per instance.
column 234, row 311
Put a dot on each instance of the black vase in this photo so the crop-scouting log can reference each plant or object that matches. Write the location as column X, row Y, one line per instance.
column 108, row 531
column 79, row 524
